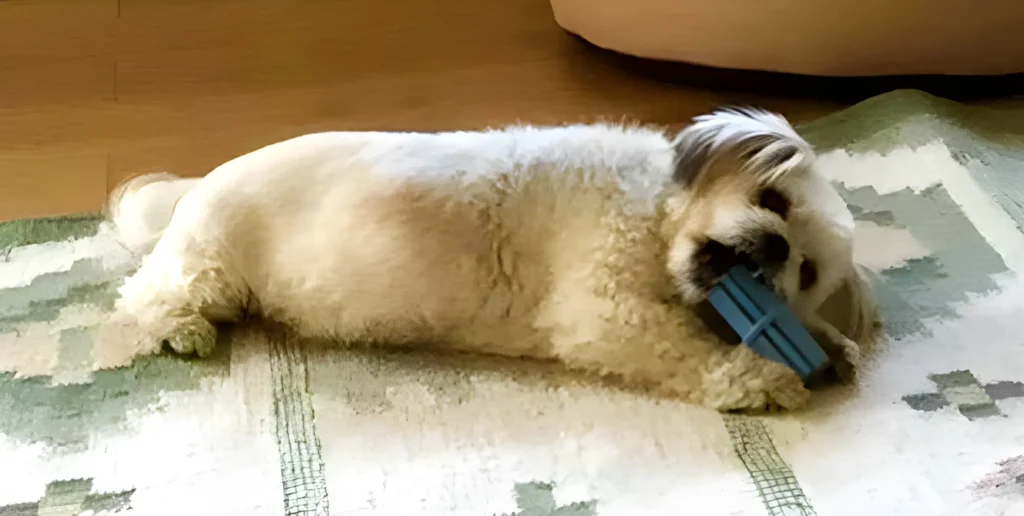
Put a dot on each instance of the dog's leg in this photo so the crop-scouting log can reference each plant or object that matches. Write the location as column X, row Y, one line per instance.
column 844, row 353
column 666, row 347
column 176, row 293
column 737, row 378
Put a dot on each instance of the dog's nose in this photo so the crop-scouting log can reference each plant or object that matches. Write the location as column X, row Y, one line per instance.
column 773, row 249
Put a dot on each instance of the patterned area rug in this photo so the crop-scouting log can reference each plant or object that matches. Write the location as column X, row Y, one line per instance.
column 270, row 427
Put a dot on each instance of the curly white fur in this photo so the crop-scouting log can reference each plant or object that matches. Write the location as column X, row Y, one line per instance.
column 568, row 243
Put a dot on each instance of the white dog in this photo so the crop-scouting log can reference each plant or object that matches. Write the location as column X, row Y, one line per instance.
column 588, row 244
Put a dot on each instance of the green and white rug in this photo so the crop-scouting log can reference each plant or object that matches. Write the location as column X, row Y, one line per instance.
column 267, row 427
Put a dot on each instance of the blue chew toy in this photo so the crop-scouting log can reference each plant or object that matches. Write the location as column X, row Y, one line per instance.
column 766, row 324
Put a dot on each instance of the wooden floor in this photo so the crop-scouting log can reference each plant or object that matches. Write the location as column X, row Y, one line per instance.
column 94, row 90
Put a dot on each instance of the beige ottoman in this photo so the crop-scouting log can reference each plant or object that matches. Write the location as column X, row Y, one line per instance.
column 813, row 37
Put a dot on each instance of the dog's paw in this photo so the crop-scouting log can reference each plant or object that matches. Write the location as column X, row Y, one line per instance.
column 846, row 364
column 192, row 335
column 786, row 390
column 777, row 388
column 121, row 341
column 842, row 352
column 760, row 386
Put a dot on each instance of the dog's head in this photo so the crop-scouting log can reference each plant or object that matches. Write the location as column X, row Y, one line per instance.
column 749, row 193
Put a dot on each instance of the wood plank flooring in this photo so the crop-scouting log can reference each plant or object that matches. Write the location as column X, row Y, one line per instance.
column 92, row 91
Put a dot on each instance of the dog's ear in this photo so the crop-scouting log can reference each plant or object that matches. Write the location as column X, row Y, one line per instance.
column 851, row 308
column 762, row 143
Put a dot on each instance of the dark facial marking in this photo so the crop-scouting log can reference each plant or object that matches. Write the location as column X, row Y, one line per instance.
column 713, row 260
column 771, row 249
column 773, row 201
column 808, row 274
column 691, row 158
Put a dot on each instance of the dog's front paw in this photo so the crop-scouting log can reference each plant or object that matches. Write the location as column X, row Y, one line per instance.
column 786, row 389
column 842, row 352
column 121, row 341
column 192, row 335
column 751, row 383
column 846, row 361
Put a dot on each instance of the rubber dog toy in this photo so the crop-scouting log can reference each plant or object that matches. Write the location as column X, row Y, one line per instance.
column 766, row 324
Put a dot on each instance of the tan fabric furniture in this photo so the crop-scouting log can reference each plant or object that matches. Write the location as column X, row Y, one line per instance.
column 815, row 37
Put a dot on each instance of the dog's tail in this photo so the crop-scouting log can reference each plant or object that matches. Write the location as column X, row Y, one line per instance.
column 141, row 208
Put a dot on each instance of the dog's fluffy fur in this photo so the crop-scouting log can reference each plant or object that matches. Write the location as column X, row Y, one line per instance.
column 588, row 244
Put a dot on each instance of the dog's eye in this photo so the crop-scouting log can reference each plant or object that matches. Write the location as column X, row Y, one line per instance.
column 774, row 201
column 808, row 274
